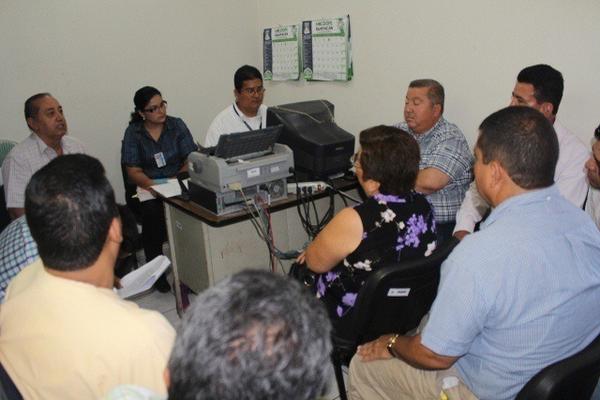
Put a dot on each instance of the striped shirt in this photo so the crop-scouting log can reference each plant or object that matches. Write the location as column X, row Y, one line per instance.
column 25, row 159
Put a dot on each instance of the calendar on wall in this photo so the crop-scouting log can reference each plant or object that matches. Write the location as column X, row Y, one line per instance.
column 327, row 49
column 317, row 50
column 281, row 53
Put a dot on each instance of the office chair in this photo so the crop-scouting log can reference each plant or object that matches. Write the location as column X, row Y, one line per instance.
column 8, row 390
column 5, row 148
column 394, row 299
column 573, row 378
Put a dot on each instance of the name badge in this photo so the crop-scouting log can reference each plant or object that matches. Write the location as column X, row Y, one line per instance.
column 160, row 160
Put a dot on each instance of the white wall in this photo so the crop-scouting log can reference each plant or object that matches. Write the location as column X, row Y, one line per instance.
column 93, row 55
column 475, row 48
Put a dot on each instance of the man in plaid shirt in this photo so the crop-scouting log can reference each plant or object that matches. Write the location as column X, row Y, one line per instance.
column 446, row 161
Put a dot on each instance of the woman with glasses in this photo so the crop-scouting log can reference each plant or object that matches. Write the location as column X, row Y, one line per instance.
column 155, row 148
column 395, row 223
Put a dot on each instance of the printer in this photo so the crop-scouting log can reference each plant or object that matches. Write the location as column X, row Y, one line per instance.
column 216, row 183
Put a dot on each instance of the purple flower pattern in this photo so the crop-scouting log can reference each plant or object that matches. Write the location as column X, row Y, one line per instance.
column 346, row 278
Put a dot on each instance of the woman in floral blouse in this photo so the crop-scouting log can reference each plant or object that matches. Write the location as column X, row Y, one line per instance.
column 395, row 223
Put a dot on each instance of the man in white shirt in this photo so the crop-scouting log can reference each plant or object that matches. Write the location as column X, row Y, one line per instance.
column 48, row 140
column 247, row 113
column 540, row 87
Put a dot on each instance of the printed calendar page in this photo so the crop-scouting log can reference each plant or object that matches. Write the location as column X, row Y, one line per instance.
column 281, row 53
column 326, row 49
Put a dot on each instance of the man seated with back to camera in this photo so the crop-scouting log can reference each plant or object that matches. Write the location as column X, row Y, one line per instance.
column 247, row 113
column 253, row 336
column 518, row 295
column 64, row 332
column 395, row 223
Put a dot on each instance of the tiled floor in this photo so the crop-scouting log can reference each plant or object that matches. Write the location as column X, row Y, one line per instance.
column 165, row 304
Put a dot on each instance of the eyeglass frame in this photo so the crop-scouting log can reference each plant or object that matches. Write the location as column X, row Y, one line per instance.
column 152, row 110
column 260, row 90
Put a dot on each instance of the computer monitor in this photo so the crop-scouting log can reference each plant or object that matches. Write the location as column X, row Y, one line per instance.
column 321, row 148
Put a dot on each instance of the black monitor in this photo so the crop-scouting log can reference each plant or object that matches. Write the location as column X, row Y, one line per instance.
column 321, row 148
column 248, row 144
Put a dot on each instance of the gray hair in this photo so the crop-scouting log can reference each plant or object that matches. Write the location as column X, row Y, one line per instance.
column 255, row 335
column 435, row 94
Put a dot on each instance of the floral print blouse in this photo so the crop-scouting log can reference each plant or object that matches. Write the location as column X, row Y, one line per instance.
column 395, row 228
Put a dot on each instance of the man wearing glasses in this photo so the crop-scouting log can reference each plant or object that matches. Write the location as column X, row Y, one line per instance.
column 247, row 113
column 48, row 140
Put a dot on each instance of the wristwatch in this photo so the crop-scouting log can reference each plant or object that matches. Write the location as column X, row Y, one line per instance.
column 390, row 344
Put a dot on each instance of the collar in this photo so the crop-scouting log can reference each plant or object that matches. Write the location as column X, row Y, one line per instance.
column 42, row 146
column 169, row 125
column 420, row 136
column 244, row 116
column 522, row 200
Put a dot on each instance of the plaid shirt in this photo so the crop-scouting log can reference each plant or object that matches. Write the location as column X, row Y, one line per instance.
column 17, row 250
column 444, row 147
column 175, row 143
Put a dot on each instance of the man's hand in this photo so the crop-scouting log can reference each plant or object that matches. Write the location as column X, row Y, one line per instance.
column 375, row 350
column 461, row 234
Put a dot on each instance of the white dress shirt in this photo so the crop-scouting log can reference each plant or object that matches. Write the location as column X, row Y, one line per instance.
column 25, row 159
column 570, row 178
column 233, row 120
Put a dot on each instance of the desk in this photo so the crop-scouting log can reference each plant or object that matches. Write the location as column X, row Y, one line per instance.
column 206, row 248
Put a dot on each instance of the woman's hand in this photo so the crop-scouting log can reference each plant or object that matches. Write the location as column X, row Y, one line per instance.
column 375, row 350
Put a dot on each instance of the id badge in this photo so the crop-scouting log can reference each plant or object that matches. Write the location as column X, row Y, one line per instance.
column 160, row 160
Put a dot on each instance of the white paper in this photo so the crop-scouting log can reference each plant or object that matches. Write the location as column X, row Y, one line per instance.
column 143, row 278
column 169, row 189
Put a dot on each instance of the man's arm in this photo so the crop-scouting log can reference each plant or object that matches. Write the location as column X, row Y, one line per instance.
column 430, row 180
column 408, row 349
column 471, row 211
column 15, row 176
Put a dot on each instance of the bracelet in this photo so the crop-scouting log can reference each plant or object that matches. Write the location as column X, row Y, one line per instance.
column 390, row 344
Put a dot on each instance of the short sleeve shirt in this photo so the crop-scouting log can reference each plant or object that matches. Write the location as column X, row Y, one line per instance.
column 174, row 145
column 445, row 148
column 17, row 250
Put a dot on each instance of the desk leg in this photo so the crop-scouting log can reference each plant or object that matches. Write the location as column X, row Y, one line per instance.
column 181, row 296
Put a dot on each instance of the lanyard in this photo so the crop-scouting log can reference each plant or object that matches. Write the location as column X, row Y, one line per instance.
column 245, row 123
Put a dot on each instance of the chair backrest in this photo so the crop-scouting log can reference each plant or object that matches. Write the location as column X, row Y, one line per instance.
column 395, row 298
column 130, row 190
column 5, row 148
column 573, row 378
column 8, row 390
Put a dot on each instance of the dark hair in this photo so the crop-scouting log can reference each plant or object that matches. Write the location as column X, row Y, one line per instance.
column 255, row 335
column 548, row 84
column 597, row 133
column 524, row 142
column 245, row 73
column 31, row 106
column 435, row 94
column 69, row 206
column 141, row 99
column 391, row 157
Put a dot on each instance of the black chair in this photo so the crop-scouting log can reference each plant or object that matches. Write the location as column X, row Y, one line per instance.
column 130, row 191
column 394, row 299
column 573, row 378
column 8, row 390
column 4, row 217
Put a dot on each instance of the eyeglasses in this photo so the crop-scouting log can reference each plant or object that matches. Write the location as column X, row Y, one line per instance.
column 253, row 90
column 152, row 110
